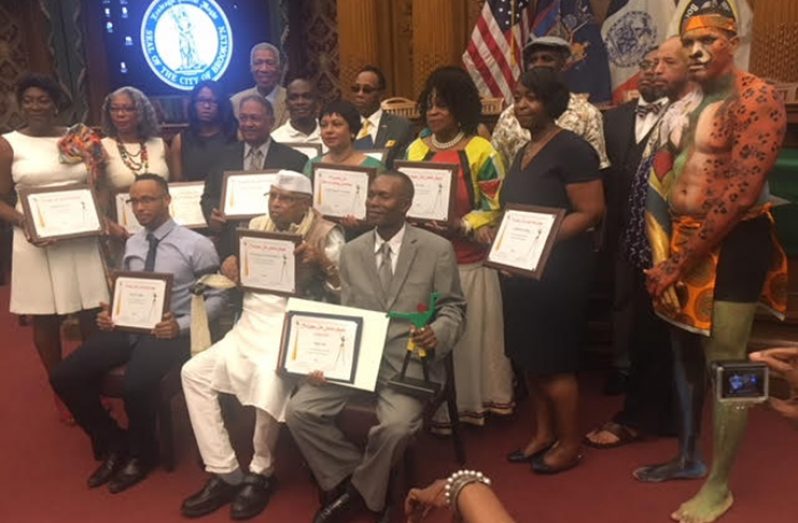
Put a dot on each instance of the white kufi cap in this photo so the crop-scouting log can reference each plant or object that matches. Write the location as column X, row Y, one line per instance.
column 294, row 182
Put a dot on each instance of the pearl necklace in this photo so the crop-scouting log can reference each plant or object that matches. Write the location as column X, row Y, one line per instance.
column 447, row 145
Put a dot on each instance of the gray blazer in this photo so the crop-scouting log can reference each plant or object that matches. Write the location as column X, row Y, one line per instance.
column 426, row 264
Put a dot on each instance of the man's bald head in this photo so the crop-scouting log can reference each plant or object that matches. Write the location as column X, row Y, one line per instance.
column 672, row 67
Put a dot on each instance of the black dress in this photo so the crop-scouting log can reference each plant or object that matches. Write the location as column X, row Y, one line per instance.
column 544, row 320
column 199, row 154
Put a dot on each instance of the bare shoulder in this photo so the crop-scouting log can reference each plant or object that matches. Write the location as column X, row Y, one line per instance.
column 6, row 151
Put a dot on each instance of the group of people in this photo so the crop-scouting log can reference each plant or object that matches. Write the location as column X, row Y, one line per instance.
column 685, row 214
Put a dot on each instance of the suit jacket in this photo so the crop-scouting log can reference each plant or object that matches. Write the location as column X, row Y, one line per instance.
column 280, row 112
column 426, row 263
column 393, row 130
column 232, row 159
column 625, row 155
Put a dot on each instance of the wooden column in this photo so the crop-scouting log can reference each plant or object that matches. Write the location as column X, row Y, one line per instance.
column 774, row 40
column 358, row 40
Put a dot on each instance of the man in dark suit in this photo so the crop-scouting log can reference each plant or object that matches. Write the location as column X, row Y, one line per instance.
column 255, row 153
column 637, row 331
column 395, row 267
column 380, row 130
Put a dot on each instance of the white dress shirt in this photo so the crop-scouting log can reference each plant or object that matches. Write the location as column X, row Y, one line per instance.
column 264, row 149
column 374, row 120
column 288, row 134
column 395, row 243
column 644, row 124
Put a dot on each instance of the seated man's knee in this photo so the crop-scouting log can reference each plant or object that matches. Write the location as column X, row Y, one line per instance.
column 398, row 429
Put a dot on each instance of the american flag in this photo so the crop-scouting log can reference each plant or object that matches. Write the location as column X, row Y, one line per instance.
column 493, row 57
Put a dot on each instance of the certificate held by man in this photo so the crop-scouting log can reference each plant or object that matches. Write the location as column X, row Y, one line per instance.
column 524, row 239
column 328, row 343
column 434, row 190
column 340, row 191
column 140, row 300
column 268, row 261
column 245, row 194
column 57, row 213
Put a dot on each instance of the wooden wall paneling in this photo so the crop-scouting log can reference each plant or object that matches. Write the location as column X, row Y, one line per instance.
column 323, row 49
column 774, row 40
column 402, row 52
column 358, row 40
column 436, row 37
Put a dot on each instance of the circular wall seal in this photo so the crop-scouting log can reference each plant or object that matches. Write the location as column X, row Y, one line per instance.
column 186, row 41
column 630, row 37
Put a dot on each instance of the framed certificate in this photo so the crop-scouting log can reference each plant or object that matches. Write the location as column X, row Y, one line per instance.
column 341, row 190
column 139, row 300
column 245, row 193
column 185, row 206
column 62, row 212
column 124, row 213
column 266, row 261
column 378, row 154
column 314, row 341
column 434, row 186
column 311, row 150
column 524, row 240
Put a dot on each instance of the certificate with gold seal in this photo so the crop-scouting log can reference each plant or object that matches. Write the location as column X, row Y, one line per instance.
column 434, row 190
column 245, row 194
column 266, row 261
column 140, row 300
column 314, row 341
column 60, row 212
column 524, row 239
column 341, row 190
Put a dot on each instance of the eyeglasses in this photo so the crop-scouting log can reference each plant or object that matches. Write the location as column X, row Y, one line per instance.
column 144, row 200
column 367, row 89
column 212, row 102
column 122, row 109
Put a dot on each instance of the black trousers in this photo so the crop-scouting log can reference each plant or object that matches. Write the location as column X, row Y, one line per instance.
column 78, row 378
column 650, row 404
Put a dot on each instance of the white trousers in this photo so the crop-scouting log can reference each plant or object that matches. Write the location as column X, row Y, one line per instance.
column 209, row 430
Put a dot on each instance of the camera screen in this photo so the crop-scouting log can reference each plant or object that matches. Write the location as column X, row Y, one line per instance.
column 743, row 383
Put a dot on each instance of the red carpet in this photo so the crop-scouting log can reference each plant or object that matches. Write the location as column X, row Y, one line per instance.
column 44, row 465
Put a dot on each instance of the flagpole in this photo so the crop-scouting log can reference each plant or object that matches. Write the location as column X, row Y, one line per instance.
column 512, row 30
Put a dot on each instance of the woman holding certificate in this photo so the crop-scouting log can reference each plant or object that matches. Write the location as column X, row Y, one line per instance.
column 49, row 278
column 340, row 123
column 544, row 319
column 451, row 108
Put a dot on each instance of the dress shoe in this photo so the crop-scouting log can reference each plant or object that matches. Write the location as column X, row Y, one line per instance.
column 253, row 496
column 113, row 462
column 345, row 504
column 539, row 465
column 214, row 494
column 134, row 470
column 518, row 456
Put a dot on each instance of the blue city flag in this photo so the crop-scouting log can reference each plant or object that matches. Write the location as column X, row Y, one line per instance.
column 587, row 71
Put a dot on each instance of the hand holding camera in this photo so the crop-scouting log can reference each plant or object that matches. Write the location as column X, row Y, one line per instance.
column 783, row 362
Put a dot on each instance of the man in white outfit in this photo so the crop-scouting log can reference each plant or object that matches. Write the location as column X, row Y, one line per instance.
column 243, row 363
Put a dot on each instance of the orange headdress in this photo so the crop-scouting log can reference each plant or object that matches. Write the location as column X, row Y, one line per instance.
column 710, row 21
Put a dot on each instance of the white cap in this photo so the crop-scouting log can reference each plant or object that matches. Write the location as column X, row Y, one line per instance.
column 294, row 182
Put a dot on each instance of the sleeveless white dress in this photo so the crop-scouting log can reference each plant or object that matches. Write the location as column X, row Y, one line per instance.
column 67, row 276
column 120, row 176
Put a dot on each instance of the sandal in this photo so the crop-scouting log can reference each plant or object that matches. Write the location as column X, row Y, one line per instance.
column 625, row 435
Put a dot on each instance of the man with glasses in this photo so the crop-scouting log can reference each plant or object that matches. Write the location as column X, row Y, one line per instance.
column 160, row 246
column 380, row 130
column 267, row 69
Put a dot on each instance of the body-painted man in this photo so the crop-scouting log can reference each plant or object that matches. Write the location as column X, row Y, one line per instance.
column 715, row 255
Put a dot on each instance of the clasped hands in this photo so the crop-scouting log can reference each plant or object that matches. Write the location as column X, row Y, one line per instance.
column 662, row 281
column 166, row 329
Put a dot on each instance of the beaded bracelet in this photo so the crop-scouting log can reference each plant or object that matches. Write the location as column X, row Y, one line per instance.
column 456, row 483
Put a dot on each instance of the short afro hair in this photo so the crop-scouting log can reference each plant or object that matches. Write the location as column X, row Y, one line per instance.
column 44, row 82
column 455, row 88
column 548, row 88
column 345, row 110
column 376, row 71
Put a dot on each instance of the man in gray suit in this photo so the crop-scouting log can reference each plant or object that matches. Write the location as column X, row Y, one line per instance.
column 267, row 69
column 380, row 130
column 394, row 268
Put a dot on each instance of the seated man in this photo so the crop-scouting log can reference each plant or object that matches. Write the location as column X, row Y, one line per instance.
column 161, row 246
column 394, row 268
column 244, row 362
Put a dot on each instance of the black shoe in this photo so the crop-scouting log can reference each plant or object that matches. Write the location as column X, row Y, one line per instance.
column 214, row 494
column 518, row 456
column 134, row 470
column 113, row 462
column 345, row 504
column 616, row 383
column 253, row 496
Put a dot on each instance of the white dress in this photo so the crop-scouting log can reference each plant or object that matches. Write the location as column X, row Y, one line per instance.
column 247, row 360
column 64, row 277
column 120, row 176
